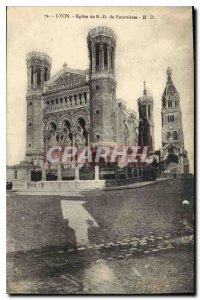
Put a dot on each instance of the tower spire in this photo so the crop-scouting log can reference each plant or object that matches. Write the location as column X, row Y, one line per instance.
column 145, row 91
column 169, row 75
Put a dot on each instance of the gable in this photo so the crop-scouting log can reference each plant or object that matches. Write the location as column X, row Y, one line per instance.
column 66, row 78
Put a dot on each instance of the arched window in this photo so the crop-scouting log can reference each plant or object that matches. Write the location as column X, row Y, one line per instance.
column 66, row 126
column 81, row 128
column 46, row 75
column 97, row 52
column 31, row 74
column 105, row 53
column 52, row 127
column 38, row 77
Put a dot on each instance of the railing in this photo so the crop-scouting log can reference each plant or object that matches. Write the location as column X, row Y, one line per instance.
column 69, row 104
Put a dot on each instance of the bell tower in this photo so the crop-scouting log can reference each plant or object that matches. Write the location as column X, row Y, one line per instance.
column 38, row 73
column 174, row 156
column 102, row 46
column 146, row 124
column 171, row 114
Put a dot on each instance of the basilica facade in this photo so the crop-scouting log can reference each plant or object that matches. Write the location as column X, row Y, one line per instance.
column 80, row 108
column 77, row 107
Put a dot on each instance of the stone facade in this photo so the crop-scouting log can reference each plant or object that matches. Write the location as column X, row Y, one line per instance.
column 77, row 107
column 175, row 158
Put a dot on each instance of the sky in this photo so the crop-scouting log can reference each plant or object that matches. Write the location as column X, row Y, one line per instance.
column 145, row 48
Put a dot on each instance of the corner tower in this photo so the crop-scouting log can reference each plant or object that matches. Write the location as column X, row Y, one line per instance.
column 38, row 72
column 146, row 123
column 102, row 46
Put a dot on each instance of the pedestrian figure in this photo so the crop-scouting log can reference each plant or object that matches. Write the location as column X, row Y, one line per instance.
column 185, row 214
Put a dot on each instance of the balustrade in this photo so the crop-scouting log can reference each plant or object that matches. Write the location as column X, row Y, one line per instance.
column 76, row 100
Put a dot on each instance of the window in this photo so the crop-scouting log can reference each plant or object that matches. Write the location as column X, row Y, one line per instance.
column 85, row 97
column 149, row 111
column 46, row 74
column 98, row 136
column 38, row 77
column 30, row 103
column 29, row 144
column 170, row 118
column 97, row 87
column 112, row 58
column 90, row 54
column 97, row 56
column 97, row 111
column 105, row 53
column 15, row 174
column 31, row 74
column 29, row 124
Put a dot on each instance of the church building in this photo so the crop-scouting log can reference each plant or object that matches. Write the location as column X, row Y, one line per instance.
column 76, row 107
